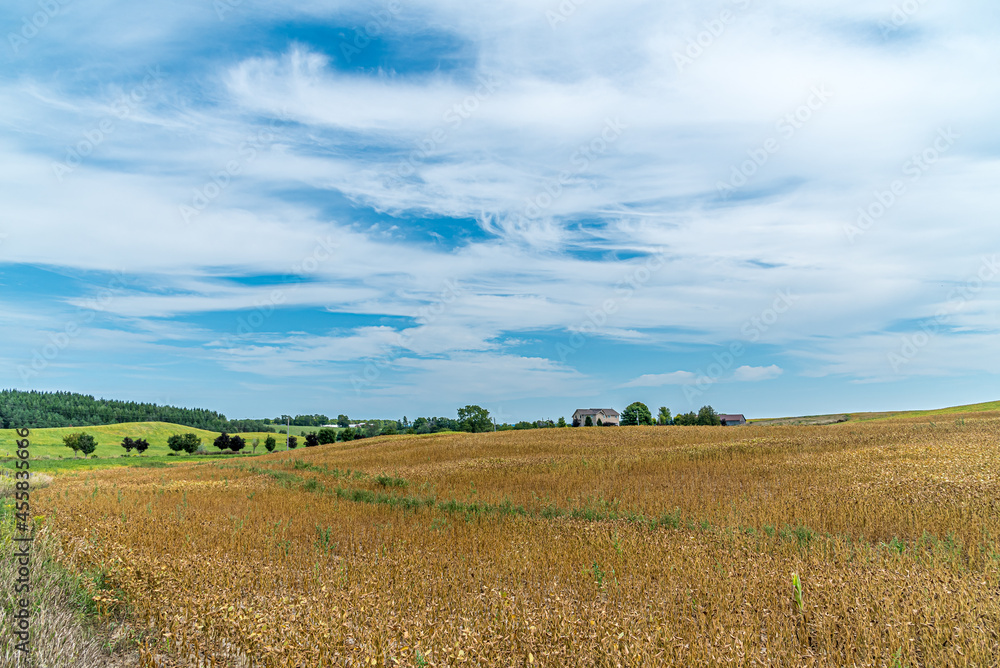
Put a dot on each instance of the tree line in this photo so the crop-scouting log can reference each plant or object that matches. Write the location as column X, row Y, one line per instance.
column 637, row 413
column 39, row 410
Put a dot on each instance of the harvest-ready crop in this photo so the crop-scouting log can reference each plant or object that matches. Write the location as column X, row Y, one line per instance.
column 869, row 544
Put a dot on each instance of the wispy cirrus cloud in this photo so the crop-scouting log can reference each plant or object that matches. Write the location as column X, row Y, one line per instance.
column 469, row 144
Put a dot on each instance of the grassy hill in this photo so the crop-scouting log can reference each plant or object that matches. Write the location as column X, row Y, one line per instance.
column 49, row 442
column 989, row 406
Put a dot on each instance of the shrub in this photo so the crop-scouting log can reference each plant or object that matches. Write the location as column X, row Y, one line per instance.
column 312, row 440
column 270, row 443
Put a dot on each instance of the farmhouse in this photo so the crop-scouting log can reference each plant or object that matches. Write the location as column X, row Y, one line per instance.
column 732, row 420
column 605, row 415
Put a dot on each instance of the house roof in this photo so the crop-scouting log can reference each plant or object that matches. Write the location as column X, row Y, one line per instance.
column 595, row 411
column 737, row 416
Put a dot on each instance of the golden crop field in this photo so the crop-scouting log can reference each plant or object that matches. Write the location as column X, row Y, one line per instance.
column 870, row 544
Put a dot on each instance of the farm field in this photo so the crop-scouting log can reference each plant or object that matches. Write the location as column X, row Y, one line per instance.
column 49, row 442
column 868, row 544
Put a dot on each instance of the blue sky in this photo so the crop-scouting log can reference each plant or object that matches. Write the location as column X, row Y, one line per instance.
column 387, row 208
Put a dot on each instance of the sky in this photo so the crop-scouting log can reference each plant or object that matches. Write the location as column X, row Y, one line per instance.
column 399, row 208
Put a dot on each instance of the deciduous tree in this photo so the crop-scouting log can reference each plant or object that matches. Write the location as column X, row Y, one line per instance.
column 475, row 419
column 637, row 413
column 87, row 444
column 664, row 416
column 222, row 441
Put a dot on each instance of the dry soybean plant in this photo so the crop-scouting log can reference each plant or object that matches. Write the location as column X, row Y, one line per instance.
column 853, row 544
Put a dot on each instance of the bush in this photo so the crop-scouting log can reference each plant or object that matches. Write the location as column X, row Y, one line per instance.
column 327, row 435
column 293, row 442
column 270, row 443
column 312, row 440
column 346, row 435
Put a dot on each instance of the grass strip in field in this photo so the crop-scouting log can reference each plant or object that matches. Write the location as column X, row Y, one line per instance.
column 941, row 550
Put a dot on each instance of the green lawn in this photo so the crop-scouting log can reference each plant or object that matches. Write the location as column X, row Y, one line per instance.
column 49, row 443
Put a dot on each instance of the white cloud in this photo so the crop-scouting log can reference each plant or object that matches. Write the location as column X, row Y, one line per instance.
column 757, row 373
column 661, row 379
column 333, row 165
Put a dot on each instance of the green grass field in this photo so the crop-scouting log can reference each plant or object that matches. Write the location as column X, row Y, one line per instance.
column 48, row 443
